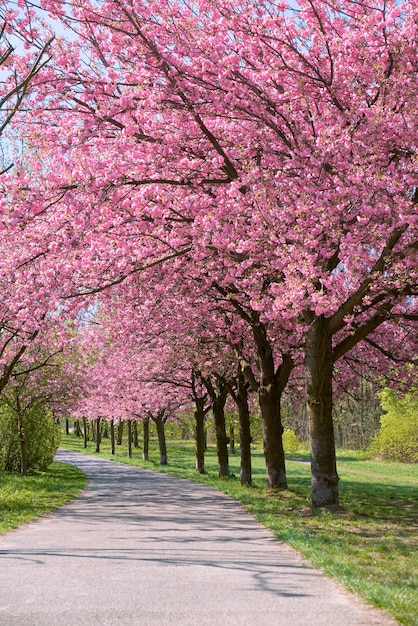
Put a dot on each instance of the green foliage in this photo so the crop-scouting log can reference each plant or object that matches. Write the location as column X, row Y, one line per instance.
column 397, row 439
column 291, row 443
column 41, row 434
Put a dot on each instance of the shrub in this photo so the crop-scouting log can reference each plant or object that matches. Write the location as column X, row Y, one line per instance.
column 42, row 437
column 291, row 443
column 397, row 439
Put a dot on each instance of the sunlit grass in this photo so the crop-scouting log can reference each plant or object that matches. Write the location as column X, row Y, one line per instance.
column 24, row 498
column 370, row 545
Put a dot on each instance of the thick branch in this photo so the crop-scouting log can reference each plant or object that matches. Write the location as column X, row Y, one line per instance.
column 358, row 335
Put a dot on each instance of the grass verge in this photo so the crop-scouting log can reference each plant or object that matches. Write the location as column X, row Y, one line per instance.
column 370, row 545
column 24, row 498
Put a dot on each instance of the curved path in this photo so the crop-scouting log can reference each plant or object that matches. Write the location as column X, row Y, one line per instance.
column 142, row 548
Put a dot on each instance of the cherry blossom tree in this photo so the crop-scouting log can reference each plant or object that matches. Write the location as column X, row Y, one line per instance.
column 20, row 72
column 266, row 148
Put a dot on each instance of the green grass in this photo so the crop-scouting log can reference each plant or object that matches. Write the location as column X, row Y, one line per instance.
column 369, row 545
column 24, row 498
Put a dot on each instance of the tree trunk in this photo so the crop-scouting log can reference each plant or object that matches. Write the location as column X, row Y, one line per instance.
column 269, row 400
column 160, row 423
column 231, row 440
column 244, row 431
column 77, row 429
column 130, row 439
column 112, row 436
column 319, row 369
column 120, row 433
column 67, row 426
column 98, row 433
column 145, row 448
column 199, row 417
column 218, row 404
column 85, row 432
column 272, row 384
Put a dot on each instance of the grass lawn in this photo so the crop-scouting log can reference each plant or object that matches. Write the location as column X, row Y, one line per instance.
column 24, row 498
column 370, row 546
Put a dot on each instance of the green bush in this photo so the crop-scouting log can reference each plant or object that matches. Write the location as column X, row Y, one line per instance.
column 397, row 439
column 42, row 437
column 291, row 443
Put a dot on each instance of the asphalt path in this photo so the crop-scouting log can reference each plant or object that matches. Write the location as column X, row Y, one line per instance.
column 142, row 548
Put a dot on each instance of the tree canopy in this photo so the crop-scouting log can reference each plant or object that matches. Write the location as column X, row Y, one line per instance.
column 237, row 182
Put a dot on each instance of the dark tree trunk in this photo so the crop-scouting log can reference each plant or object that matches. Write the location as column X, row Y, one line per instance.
column 199, row 417
column 120, row 433
column 160, row 423
column 269, row 400
column 67, row 426
column 231, row 440
column 271, row 386
column 319, row 369
column 112, row 436
column 135, row 434
column 145, row 425
column 130, row 439
column 77, row 429
column 85, row 431
column 244, row 430
column 218, row 405
column 98, row 433
column 218, row 394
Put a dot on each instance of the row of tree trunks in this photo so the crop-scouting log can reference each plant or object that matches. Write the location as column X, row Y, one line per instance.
column 272, row 380
column 319, row 369
column 116, row 435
